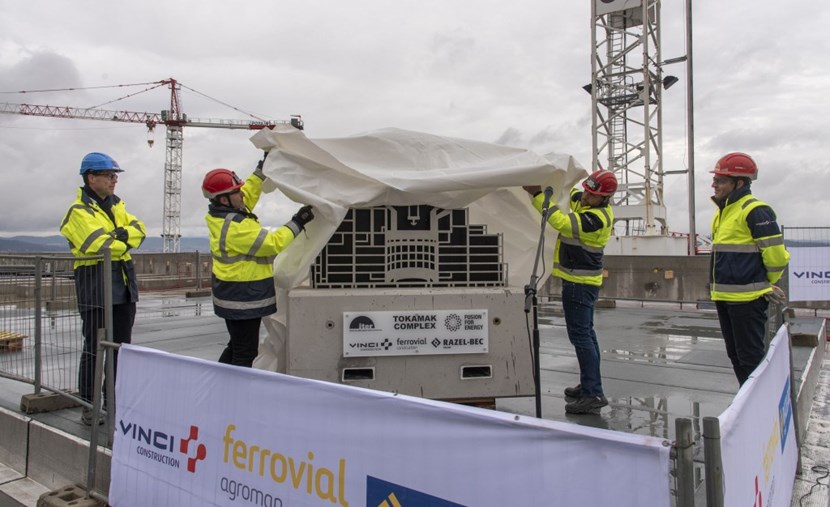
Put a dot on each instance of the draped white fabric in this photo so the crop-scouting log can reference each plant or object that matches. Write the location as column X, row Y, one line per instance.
column 399, row 167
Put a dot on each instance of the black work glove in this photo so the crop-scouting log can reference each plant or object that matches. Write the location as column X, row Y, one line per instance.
column 303, row 216
column 120, row 234
column 258, row 170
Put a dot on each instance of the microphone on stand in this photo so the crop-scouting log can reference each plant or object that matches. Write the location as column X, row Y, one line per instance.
column 546, row 202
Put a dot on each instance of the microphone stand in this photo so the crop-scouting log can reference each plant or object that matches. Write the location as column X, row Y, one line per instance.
column 532, row 303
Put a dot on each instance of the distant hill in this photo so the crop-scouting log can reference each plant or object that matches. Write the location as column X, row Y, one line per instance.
column 57, row 243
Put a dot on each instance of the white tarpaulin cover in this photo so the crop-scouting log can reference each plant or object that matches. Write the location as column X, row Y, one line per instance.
column 398, row 167
column 191, row 432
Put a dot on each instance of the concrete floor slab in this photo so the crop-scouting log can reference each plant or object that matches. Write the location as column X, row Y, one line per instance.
column 659, row 364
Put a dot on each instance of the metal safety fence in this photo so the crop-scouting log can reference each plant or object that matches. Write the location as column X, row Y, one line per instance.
column 806, row 236
column 40, row 327
column 41, row 334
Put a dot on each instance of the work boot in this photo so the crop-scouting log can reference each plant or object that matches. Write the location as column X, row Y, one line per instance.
column 586, row 405
column 87, row 417
column 573, row 392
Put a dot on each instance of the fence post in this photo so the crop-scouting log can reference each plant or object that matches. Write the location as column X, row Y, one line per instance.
column 111, row 351
column 105, row 336
column 38, row 324
column 713, row 464
column 96, row 411
column 108, row 293
column 685, row 467
column 793, row 394
column 198, row 271
column 53, row 293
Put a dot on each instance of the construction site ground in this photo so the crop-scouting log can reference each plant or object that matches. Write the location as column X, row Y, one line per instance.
column 660, row 362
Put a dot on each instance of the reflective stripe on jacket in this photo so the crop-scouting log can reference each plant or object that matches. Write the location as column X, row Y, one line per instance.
column 748, row 253
column 583, row 234
column 88, row 229
column 243, row 257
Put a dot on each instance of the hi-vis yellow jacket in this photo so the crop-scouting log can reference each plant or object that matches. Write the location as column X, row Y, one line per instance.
column 748, row 253
column 89, row 230
column 243, row 257
column 583, row 234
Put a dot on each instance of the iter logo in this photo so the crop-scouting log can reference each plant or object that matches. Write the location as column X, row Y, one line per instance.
column 199, row 451
column 362, row 323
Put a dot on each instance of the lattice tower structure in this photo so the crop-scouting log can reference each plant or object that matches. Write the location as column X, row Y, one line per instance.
column 626, row 92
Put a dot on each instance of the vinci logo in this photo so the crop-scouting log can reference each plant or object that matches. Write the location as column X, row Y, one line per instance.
column 362, row 323
column 812, row 275
column 198, row 451
column 380, row 493
column 160, row 446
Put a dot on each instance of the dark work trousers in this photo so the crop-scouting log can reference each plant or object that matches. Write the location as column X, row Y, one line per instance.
column 578, row 301
column 243, row 346
column 744, row 326
column 123, row 317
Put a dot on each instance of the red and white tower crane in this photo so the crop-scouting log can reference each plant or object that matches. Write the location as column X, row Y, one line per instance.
column 175, row 120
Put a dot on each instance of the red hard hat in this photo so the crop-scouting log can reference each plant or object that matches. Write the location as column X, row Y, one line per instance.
column 737, row 164
column 602, row 182
column 220, row 181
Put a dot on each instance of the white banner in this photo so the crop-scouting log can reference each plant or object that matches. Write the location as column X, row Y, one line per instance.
column 809, row 273
column 191, row 432
column 422, row 332
column 758, row 434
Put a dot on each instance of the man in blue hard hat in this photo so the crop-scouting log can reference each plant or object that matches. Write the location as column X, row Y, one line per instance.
column 96, row 221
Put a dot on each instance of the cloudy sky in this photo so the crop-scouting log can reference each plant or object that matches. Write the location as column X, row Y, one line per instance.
column 506, row 72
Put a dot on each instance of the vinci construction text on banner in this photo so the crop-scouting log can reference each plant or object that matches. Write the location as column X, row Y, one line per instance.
column 809, row 273
column 191, row 433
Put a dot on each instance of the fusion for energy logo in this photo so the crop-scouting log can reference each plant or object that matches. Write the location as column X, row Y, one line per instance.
column 452, row 322
column 161, row 447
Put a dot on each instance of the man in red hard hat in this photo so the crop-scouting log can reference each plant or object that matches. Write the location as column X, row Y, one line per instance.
column 583, row 233
column 748, row 257
column 97, row 221
column 243, row 257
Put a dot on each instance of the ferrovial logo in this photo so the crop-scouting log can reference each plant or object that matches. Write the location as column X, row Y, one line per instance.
column 160, row 446
column 261, row 474
column 362, row 323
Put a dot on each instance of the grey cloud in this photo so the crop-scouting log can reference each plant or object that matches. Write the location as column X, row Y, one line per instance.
column 38, row 70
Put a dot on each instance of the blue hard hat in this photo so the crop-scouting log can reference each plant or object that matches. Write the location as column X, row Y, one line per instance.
column 99, row 162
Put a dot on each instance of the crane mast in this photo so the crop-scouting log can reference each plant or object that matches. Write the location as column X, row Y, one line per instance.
column 174, row 120
column 626, row 90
